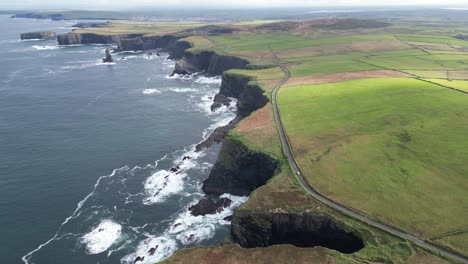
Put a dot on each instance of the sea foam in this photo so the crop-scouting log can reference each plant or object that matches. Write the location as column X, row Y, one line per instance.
column 102, row 237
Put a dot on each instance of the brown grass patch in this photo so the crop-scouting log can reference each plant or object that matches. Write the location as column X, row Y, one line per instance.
column 260, row 119
column 315, row 51
column 379, row 45
column 233, row 254
column 344, row 76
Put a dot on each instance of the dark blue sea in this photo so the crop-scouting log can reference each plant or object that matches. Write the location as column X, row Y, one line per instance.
column 86, row 150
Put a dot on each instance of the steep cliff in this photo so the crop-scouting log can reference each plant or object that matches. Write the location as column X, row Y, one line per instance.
column 73, row 38
column 306, row 229
column 39, row 35
column 148, row 42
column 209, row 62
column 239, row 170
column 249, row 95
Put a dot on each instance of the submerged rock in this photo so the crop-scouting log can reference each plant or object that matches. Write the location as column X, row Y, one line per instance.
column 39, row 35
column 210, row 206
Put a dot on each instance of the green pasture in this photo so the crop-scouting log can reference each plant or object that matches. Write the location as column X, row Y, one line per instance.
column 394, row 149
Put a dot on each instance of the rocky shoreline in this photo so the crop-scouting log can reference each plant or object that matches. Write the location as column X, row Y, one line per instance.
column 238, row 169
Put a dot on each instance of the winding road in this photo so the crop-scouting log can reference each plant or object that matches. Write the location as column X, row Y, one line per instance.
column 288, row 152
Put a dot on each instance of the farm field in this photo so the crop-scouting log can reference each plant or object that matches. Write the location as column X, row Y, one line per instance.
column 388, row 147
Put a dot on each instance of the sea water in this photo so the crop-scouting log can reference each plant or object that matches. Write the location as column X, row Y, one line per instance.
column 86, row 151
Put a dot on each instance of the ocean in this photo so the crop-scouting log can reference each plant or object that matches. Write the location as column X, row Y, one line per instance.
column 86, row 150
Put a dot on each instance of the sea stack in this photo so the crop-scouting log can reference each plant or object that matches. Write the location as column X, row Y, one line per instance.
column 108, row 57
column 39, row 35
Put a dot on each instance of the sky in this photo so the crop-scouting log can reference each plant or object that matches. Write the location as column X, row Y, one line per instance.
column 135, row 4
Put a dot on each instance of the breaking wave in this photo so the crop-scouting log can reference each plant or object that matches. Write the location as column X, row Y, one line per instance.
column 172, row 180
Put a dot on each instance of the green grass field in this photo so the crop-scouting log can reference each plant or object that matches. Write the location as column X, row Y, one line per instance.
column 456, row 84
column 309, row 68
column 395, row 149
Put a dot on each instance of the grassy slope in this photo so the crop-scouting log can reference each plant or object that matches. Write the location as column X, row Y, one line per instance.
column 258, row 132
column 389, row 147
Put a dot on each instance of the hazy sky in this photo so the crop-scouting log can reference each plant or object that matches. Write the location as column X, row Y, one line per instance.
column 116, row 4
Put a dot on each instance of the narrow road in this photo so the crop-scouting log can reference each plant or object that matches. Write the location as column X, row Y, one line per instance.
column 287, row 150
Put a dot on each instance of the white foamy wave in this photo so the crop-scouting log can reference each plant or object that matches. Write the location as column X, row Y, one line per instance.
column 196, row 234
column 209, row 80
column 151, row 91
column 183, row 90
column 152, row 250
column 86, row 64
column 162, row 184
column 181, row 76
column 102, row 237
column 44, row 47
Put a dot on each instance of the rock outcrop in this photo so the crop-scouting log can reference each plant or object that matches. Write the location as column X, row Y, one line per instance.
column 249, row 95
column 218, row 101
column 210, row 206
column 306, row 229
column 56, row 16
column 74, row 38
column 208, row 62
column 147, row 42
column 239, row 170
column 39, row 35
column 108, row 58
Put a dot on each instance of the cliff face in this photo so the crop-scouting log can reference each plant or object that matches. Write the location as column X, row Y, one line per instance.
column 208, row 62
column 148, row 42
column 239, row 170
column 249, row 95
column 39, row 35
column 90, row 38
column 307, row 229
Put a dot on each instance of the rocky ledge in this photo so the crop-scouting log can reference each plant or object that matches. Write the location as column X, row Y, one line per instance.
column 208, row 62
column 210, row 205
column 39, row 35
column 74, row 38
column 239, row 170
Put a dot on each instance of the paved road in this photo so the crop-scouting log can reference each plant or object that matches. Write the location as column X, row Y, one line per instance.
column 287, row 150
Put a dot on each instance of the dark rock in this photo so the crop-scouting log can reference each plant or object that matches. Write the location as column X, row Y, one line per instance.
column 217, row 136
column 147, row 42
column 186, row 158
column 139, row 259
column 56, row 16
column 175, row 169
column 73, row 38
column 90, row 24
column 152, row 250
column 208, row 62
column 209, row 206
column 228, row 218
column 108, row 58
column 239, row 170
column 307, row 229
column 39, row 35
column 219, row 100
column 250, row 96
